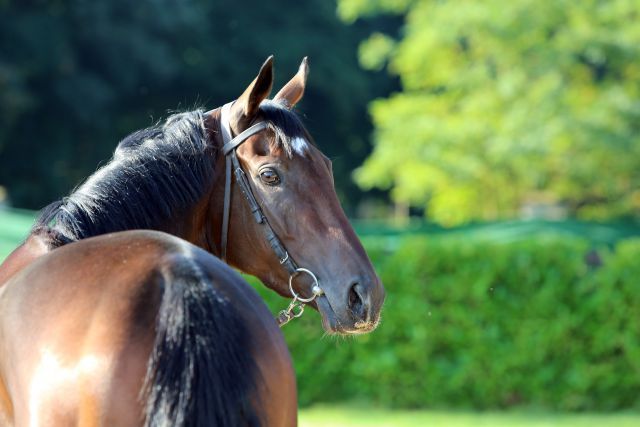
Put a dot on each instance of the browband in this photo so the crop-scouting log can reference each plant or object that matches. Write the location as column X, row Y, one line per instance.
column 227, row 147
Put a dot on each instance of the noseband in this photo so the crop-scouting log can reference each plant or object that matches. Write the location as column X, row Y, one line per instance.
column 296, row 307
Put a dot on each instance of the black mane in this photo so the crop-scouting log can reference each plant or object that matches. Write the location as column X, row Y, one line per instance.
column 155, row 175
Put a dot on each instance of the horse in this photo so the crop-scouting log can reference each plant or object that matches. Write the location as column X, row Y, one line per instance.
column 116, row 310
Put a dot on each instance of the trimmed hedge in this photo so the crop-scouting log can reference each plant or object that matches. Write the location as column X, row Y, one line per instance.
column 472, row 323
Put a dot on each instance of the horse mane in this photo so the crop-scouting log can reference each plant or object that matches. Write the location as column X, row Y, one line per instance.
column 155, row 175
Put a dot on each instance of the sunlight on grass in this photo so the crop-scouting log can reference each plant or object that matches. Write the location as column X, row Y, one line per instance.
column 321, row 416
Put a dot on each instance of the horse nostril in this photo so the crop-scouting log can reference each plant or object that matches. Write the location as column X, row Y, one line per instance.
column 356, row 302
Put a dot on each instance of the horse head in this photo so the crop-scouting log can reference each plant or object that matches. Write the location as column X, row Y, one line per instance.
column 291, row 183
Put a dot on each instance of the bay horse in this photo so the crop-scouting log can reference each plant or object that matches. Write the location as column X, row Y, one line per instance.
column 101, row 324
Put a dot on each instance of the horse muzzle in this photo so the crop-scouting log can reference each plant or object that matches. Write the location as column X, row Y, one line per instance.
column 356, row 311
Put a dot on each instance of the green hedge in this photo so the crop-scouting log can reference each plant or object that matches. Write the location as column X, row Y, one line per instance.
column 472, row 323
column 476, row 320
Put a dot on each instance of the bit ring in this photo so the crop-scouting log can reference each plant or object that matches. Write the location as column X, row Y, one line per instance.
column 317, row 291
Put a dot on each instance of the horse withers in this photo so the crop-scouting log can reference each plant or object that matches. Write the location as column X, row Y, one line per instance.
column 276, row 216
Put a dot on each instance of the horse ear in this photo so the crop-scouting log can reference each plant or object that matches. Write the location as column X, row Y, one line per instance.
column 292, row 92
column 246, row 107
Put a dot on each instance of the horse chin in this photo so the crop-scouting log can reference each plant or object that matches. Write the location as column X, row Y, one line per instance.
column 330, row 321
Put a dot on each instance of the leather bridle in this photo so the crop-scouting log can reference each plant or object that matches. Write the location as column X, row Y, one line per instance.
column 230, row 144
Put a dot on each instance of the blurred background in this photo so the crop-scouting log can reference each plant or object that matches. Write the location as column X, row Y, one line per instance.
column 488, row 153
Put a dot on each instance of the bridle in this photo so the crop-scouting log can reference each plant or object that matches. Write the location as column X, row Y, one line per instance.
column 296, row 307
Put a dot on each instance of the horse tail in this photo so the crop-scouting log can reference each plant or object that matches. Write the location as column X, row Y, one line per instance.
column 201, row 372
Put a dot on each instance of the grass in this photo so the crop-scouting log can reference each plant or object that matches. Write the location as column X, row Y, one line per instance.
column 321, row 416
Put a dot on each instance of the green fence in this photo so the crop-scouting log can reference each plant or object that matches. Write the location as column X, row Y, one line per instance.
column 506, row 231
column 14, row 225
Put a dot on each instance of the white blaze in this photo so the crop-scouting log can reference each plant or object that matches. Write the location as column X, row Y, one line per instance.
column 299, row 145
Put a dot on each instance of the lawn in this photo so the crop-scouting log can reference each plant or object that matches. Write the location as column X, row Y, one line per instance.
column 321, row 416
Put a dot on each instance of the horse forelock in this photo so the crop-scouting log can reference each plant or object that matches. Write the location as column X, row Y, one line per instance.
column 290, row 133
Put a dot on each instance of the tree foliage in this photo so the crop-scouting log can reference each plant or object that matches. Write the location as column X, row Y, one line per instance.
column 77, row 76
column 503, row 103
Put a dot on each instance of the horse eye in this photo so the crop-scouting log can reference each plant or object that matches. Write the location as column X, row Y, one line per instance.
column 269, row 177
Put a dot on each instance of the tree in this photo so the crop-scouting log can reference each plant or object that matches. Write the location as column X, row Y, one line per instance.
column 505, row 102
column 77, row 76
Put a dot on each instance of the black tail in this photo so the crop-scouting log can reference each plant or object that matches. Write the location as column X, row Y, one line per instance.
column 201, row 372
